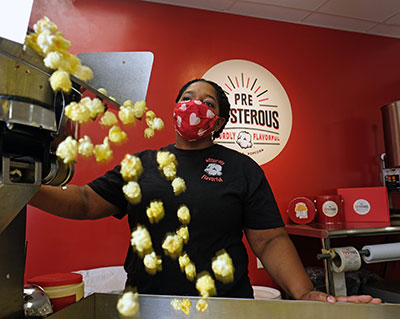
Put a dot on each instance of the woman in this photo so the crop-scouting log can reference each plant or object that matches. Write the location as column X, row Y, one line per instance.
column 227, row 193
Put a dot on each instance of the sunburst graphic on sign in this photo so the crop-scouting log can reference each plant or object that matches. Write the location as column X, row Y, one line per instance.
column 260, row 117
column 250, row 112
column 247, row 86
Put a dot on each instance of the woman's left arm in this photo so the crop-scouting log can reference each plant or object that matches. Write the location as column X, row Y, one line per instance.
column 279, row 257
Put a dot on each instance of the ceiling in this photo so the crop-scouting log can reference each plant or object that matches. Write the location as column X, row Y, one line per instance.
column 378, row 17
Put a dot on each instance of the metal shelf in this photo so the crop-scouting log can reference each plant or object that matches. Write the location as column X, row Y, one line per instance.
column 337, row 230
column 342, row 230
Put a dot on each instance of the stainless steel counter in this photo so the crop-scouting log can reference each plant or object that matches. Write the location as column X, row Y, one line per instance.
column 103, row 306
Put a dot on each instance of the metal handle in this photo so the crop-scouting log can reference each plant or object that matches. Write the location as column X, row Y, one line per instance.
column 22, row 167
column 362, row 252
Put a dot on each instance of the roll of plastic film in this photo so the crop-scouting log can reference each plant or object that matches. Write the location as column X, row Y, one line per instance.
column 346, row 259
column 382, row 253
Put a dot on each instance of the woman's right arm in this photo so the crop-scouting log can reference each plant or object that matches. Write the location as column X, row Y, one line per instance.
column 73, row 202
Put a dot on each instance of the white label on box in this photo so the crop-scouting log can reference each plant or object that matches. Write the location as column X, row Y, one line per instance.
column 361, row 207
column 330, row 208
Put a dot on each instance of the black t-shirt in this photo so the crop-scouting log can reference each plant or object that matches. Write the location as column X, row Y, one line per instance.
column 226, row 192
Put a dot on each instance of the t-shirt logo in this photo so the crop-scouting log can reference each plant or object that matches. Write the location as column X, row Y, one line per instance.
column 213, row 170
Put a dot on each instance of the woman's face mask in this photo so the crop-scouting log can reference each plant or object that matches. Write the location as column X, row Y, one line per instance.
column 194, row 120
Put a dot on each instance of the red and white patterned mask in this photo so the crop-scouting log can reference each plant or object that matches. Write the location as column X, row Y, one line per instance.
column 194, row 120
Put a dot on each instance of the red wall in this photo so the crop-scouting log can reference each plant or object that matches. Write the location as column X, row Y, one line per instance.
column 336, row 82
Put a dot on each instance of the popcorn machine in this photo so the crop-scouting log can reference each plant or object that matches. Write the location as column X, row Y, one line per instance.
column 391, row 159
column 31, row 126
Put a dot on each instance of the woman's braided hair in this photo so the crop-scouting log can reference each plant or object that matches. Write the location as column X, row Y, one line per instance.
column 224, row 106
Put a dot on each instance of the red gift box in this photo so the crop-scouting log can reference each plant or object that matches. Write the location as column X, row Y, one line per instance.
column 365, row 204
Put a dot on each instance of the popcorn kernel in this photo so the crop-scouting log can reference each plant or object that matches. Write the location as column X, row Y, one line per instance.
column 132, row 192
column 178, row 185
column 131, row 168
column 141, row 241
column 183, row 214
column 128, row 304
column 67, row 150
column 108, row 119
column 155, row 212
column 172, row 245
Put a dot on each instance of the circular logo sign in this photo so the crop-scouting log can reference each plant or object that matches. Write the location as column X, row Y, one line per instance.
column 261, row 116
column 330, row 208
column 361, row 206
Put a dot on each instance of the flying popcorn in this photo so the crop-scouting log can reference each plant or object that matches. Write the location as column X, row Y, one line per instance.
column 132, row 192
column 172, row 245
column 183, row 260
column 128, row 103
column 183, row 232
column 152, row 263
column 60, row 80
column 150, row 115
column 178, row 185
column 70, row 62
column 131, row 168
column 183, row 304
column 103, row 152
column 116, row 135
column 45, row 24
column 190, row 271
column 141, row 241
column 155, row 212
column 154, row 122
column 222, row 267
column 126, row 115
column 205, row 285
column 165, row 157
column 77, row 112
column 187, row 266
column 169, row 171
column 67, row 150
column 202, row 305
column 83, row 72
column 85, row 147
column 102, row 91
column 54, row 60
column 31, row 41
column 50, row 41
column 139, row 109
column 108, row 119
column 183, row 214
column 94, row 106
column 157, row 124
column 128, row 304
column 148, row 132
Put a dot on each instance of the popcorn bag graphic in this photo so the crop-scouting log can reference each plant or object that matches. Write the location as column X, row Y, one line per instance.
column 301, row 210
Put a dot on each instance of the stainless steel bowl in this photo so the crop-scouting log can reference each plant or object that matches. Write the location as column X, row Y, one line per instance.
column 36, row 303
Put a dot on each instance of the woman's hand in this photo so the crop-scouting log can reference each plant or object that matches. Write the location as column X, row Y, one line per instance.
column 321, row 296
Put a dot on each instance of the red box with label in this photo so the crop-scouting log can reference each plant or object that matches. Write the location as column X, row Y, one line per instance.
column 365, row 204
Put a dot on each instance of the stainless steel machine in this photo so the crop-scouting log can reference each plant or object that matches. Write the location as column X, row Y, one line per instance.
column 31, row 126
column 391, row 158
